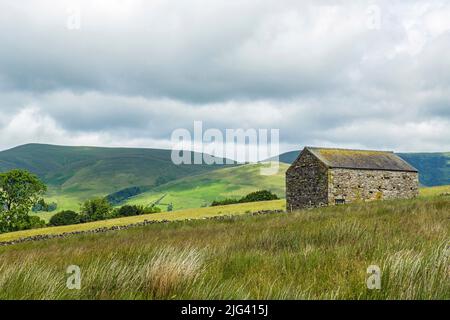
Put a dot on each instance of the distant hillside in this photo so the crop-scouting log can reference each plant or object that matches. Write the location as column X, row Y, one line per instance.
column 132, row 175
column 201, row 190
column 434, row 168
column 289, row 157
column 87, row 171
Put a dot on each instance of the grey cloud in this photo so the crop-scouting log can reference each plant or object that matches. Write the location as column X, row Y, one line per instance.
column 193, row 53
column 135, row 71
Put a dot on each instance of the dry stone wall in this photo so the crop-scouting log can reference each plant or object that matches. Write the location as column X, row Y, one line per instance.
column 124, row 227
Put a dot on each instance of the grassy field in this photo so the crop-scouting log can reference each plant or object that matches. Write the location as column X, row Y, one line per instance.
column 83, row 172
column 75, row 174
column 216, row 185
column 198, row 213
column 315, row 254
column 435, row 191
column 201, row 190
column 190, row 192
column 64, row 201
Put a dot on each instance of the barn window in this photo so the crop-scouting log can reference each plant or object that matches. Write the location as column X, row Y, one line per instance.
column 339, row 201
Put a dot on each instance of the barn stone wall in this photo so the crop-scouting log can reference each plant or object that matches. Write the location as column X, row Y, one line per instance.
column 356, row 185
column 306, row 183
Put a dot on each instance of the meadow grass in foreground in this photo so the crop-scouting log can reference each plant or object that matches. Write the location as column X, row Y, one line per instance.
column 316, row 254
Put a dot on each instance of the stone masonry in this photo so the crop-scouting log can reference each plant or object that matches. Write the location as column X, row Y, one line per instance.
column 306, row 183
column 323, row 176
column 353, row 185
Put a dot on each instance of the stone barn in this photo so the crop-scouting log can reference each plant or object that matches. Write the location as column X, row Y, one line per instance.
column 325, row 176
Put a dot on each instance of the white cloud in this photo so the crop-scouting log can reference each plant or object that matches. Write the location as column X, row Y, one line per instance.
column 29, row 124
column 136, row 70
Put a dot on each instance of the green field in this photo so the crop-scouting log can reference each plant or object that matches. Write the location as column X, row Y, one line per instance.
column 197, row 213
column 77, row 173
column 192, row 213
column 201, row 190
column 435, row 191
column 194, row 191
column 322, row 253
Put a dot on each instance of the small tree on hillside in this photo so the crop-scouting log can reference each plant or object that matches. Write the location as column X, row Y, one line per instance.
column 19, row 191
column 128, row 211
column 64, row 218
column 262, row 195
column 96, row 209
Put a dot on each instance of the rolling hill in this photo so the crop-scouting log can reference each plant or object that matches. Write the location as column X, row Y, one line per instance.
column 200, row 190
column 141, row 176
column 434, row 168
column 76, row 173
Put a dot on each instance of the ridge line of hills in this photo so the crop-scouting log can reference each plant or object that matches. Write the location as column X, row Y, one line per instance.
column 140, row 175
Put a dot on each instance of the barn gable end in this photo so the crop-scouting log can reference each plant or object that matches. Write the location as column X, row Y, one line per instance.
column 306, row 182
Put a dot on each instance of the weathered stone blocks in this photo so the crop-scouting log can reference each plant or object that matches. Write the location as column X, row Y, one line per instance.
column 312, row 182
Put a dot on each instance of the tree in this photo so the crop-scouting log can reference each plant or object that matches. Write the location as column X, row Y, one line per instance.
column 128, row 211
column 149, row 210
column 262, row 195
column 64, row 218
column 224, row 202
column 41, row 205
column 96, row 209
column 34, row 222
column 19, row 191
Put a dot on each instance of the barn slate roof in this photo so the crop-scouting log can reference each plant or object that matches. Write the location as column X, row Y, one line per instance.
column 361, row 159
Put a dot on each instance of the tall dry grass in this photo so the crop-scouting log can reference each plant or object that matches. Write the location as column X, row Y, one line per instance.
column 315, row 254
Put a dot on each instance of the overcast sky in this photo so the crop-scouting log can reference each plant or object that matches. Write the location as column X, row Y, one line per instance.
column 364, row 74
